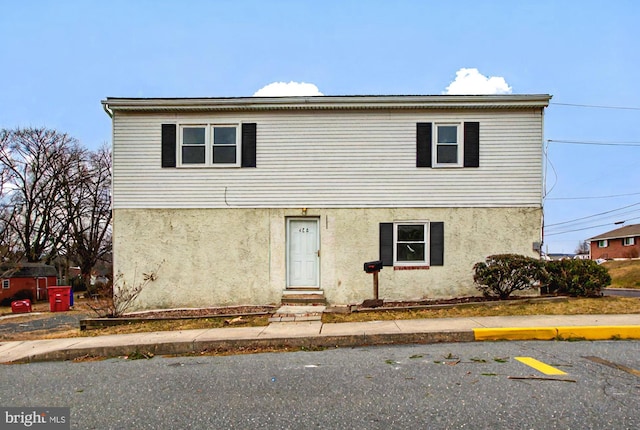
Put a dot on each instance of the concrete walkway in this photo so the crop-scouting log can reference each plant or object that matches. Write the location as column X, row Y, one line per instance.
column 315, row 334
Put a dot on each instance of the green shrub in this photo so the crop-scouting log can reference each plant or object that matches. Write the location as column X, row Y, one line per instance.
column 577, row 277
column 502, row 274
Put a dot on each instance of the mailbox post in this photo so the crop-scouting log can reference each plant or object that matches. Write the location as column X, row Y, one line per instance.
column 374, row 267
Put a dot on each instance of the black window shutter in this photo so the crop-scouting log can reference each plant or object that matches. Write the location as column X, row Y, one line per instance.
column 423, row 144
column 471, row 144
column 249, row 145
column 169, row 145
column 436, row 247
column 386, row 243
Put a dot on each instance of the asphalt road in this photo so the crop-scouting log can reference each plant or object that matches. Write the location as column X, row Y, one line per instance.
column 442, row 386
column 622, row 292
column 45, row 321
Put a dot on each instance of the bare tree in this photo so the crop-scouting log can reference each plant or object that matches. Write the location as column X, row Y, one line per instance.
column 582, row 248
column 36, row 165
column 88, row 202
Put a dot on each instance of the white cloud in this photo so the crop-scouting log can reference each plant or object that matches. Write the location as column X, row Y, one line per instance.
column 471, row 81
column 284, row 89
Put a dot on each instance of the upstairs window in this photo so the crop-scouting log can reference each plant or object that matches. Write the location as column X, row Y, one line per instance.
column 603, row 243
column 448, row 145
column 193, row 145
column 225, row 144
column 628, row 241
column 209, row 145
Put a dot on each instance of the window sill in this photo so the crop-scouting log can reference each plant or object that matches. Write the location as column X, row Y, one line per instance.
column 411, row 267
column 204, row 166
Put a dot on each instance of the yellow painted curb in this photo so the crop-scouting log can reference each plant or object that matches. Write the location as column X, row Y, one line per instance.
column 549, row 333
column 515, row 333
column 600, row 332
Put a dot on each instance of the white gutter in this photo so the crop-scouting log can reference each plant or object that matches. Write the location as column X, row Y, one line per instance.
column 105, row 106
column 327, row 102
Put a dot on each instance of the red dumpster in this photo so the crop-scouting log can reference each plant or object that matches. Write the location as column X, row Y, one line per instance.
column 59, row 298
column 21, row 306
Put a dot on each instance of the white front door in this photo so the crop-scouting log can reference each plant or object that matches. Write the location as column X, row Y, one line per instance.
column 303, row 252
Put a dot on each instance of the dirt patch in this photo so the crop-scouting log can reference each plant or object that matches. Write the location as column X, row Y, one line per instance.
column 453, row 301
column 201, row 313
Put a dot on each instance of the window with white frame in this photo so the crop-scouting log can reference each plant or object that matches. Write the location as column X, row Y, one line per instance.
column 603, row 243
column 448, row 145
column 5, row 284
column 209, row 145
column 628, row 241
column 411, row 243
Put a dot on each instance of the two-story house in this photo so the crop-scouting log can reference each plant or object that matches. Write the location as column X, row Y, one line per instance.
column 244, row 200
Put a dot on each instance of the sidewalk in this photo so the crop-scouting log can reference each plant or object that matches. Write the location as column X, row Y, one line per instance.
column 315, row 334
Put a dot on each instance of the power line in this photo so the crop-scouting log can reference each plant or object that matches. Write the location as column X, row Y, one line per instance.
column 612, row 219
column 585, row 228
column 592, row 197
column 596, row 106
column 586, row 142
column 592, row 216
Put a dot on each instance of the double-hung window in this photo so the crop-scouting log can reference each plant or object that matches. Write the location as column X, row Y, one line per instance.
column 411, row 243
column 448, row 145
column 603, row 243
column 628, row 241
column 209, row 145
column 5, row 284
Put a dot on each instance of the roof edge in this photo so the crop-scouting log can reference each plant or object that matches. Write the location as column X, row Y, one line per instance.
column 115, row 104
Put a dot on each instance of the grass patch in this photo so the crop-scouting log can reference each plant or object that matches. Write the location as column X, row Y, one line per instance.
column 624, row 273
column 573, row 306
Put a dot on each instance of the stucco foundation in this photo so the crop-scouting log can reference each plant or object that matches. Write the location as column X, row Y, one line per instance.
column 216, row 257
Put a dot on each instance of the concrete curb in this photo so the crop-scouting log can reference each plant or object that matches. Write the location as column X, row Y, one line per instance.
column 558, row 333
column 196, row 347
column 202, row 347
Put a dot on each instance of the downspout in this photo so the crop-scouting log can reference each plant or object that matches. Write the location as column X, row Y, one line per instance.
column 543, row 190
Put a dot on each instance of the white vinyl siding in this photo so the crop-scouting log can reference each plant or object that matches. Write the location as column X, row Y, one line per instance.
column 333, row 158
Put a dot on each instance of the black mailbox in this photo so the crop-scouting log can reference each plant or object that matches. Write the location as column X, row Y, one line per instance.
column 373, row 266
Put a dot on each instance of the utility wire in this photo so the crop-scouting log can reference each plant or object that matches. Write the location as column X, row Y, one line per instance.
column 600, row 143
column 586, row 223
column 596, row 106
column 592, row 197
column 585, row 228
column 592, row 216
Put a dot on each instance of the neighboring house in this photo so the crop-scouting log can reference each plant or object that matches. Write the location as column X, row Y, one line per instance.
column 244, row 200
column 26, row 281
column 623, row 242
column 559, row 256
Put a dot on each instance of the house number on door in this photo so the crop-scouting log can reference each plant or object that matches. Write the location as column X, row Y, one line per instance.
column 303, row 230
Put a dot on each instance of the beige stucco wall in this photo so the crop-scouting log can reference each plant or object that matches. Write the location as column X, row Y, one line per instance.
column 213, row 257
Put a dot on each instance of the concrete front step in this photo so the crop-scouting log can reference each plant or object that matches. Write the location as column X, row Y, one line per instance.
column 313, row 297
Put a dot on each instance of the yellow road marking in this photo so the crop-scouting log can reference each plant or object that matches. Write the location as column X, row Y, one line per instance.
column 540, row 366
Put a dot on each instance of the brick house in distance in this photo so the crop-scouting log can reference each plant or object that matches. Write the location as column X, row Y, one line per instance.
column 623, row 242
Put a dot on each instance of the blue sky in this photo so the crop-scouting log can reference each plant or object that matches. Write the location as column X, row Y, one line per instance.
column 60, row 58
